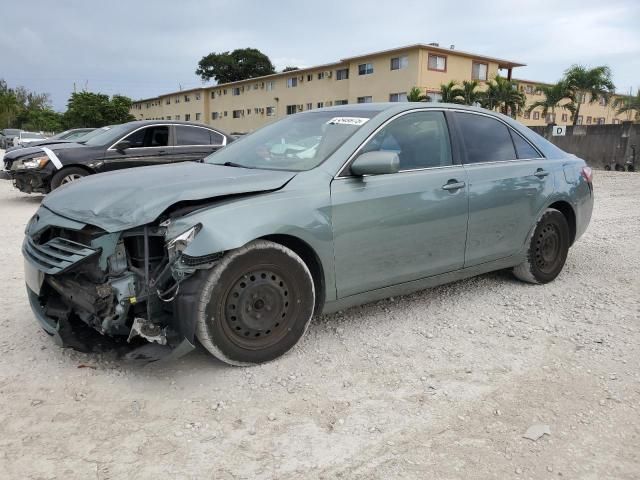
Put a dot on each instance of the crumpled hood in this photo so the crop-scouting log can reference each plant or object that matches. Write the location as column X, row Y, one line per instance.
column 125, row 199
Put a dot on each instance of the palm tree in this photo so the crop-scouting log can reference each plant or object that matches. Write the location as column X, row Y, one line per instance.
column 628, row 104
column 416, row 95
column 503, row 95
column 594, row 81
column 553, row 95
column 469, row 94
column 451, row 92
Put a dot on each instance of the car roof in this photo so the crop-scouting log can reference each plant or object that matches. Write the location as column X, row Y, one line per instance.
column 142, row 123
column 399, row 107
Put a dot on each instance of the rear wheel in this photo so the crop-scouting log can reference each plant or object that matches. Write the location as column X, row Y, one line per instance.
column 67, row 175
column 548, row 249
column 255, row 304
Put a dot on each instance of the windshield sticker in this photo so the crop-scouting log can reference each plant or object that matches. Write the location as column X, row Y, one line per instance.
column 357, row 121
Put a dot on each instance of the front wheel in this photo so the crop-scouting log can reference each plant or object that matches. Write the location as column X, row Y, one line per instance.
column 67, row 175
column 255, row 304
column 548, row 249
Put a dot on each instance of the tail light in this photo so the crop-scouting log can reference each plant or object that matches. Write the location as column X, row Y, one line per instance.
column 587, row 173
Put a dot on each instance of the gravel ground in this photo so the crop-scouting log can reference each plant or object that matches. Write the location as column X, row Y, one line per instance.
column 440, row 384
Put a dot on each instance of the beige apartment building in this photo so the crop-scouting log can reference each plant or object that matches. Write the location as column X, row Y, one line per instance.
column 384, row 76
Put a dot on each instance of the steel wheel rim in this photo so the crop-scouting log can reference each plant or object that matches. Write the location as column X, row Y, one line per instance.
column 258, row 309
column 70, row 178
column 548, row 248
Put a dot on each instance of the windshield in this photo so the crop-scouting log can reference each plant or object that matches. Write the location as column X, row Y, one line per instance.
column 106, row 135
column 11, row 131
column 33, row 136
column 295, row 143
column 60, row 135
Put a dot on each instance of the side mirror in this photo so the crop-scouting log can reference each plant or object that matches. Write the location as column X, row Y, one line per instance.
column 123, row 145
column 376, row 163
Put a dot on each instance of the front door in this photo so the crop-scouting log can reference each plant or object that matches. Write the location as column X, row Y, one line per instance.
column 509, row 184
column 147, row 146
column 394, row 228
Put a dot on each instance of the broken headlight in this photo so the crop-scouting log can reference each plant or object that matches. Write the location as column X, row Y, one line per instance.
column 36, row 162
column 176, row 245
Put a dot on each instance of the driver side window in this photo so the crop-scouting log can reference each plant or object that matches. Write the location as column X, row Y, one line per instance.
column 421, row 140
column 156, row 136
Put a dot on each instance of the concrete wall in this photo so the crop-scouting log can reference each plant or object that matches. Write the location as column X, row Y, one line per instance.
column 602, row 146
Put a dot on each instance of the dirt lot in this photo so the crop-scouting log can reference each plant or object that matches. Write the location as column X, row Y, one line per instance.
column 439, row 384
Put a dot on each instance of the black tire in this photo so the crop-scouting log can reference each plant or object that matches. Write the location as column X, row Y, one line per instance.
column 255, row 304
column 607, row 168
column 547, row 251
column 67, row 175
column 619, row 168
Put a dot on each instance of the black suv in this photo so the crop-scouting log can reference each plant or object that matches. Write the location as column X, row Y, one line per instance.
column 133, row 144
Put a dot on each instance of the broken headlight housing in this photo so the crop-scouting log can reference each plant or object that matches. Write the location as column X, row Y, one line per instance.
column 30, row 163
column 176, row 245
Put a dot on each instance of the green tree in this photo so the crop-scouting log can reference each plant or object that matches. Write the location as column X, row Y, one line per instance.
column 416, row 95
column 582, row 81
column 628, row 104
column 289, row 69
column 470, row 94
column 451, row 92
column 553, row 95
column 89, row 109
column 9, row 105
column 44, row 119
column 233, row 66
column 503, row 95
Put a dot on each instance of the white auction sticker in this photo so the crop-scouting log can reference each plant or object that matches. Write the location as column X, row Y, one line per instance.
column 53, row 157
column 357, row 121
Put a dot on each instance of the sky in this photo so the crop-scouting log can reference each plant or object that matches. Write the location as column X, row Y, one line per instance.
column 142, row 48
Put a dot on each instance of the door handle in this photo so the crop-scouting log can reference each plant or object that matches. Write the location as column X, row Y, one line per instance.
column 452, row 185
column 540, row 173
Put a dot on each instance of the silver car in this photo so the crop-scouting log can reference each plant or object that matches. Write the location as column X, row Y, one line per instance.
column 24, row 139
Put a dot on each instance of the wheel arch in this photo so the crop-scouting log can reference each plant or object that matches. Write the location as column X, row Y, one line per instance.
column 569, row 213
column 309, row 257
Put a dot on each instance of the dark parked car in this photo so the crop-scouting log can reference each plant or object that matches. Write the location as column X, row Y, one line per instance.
column 7, row 135
column 132, row 144
column 315, row 213
column 73, row 135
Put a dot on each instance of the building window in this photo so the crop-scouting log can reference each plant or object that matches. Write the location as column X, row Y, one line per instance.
column 551, row 118
column 177, row 100
column 479, row 71
column 528, row 89
column 225, row 113
column 168, row 117
column 320, row 104
column 600, row 120
column 309, row 77
column 398, row 63
column 224, row 91
column 197, row 117
column 603, row 101
column 291, row 109
column 197, row 96
column 187, row 98
column 187, row 117
column 437, row 63
column 270, row 111
column 235, row 91
column 168, row 101
column 616, row 121
column 342, row 74
column 536, row 115
column 320, row 75
column 579, row 120
column 292, row 82
column 588, row 120
column 527, row 115
column 238, row 113
column 398, row 97
column 367, row 99
column 269, row 86
column 365, row 69
column 177, row 117
column 309, row 106
column 213, row 94
column 341, row 102
column 582, row 97
column 248, row 111
column 565, row 117
column 215, row 115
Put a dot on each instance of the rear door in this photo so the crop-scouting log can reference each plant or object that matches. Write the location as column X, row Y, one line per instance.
column 193, row 143
column 394, row 228
column 148, row 146
column 509, row 184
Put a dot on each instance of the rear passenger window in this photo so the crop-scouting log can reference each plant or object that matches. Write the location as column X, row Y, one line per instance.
column 485, row 139
column 523, row 148
column 420, row 139
column 149, row 137
column 197, row 136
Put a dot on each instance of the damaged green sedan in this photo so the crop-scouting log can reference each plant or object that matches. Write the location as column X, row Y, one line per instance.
column 317, row 212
